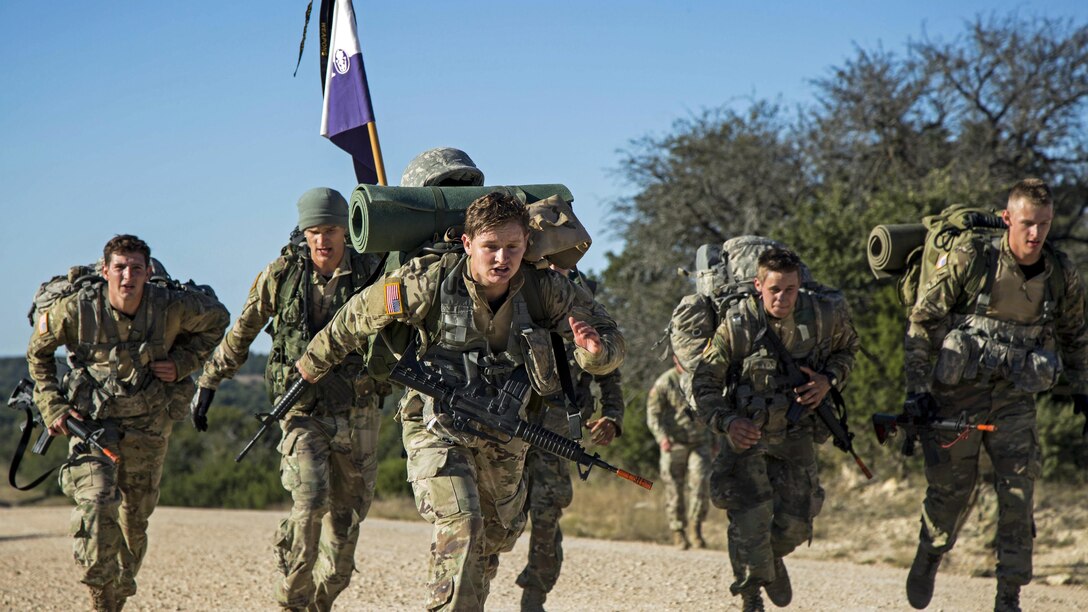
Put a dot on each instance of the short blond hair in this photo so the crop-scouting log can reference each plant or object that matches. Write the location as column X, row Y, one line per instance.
column 1034, row 191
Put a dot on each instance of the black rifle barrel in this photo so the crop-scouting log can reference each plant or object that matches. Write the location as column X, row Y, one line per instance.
column 278, row 411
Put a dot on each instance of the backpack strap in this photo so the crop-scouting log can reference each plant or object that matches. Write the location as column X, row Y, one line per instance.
column 1055, row 284
column 532, row 296
column 982, row 302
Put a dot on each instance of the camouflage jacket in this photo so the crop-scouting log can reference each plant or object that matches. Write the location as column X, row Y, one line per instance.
column 181, row 326
column 667, row 412
column 274, row 296
column 952, row 295
column 410, row 296
column 819, row 334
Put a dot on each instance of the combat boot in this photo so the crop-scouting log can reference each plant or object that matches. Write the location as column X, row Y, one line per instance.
column 779, row 590
column 532, row 600
column 697, row 535
column 923, row 573
column 1008, row 597
column 680, row 539
column 751, row 600
column 102, row 599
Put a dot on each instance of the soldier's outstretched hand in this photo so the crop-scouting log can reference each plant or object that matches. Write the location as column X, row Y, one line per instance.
column 585, row 336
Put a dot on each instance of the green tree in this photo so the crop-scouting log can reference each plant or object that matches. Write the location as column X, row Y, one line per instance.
column 889, row 138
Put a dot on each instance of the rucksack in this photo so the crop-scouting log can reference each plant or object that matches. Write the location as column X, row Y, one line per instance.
column 82, row 276
column 723, row 277
column 914, row 252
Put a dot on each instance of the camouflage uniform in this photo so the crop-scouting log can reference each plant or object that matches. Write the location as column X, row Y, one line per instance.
column 111, row 380
column 329, row 438
column 549, row 476
column 771, row 490
column 470, row 489
column 687, row 462
column 994, row 348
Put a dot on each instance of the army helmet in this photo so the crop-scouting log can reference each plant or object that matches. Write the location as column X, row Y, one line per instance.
column 442, row 167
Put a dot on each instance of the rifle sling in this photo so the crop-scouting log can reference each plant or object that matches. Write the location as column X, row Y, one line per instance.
column 531, row 289
column 20, row 451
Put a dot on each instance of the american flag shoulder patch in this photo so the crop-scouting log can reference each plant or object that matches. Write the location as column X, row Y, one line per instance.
column 942, row 261
column 394, row 302
column 43, row 323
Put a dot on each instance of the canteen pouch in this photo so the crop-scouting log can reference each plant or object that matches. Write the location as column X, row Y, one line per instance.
column 957, row 350
column 555, row 233
column 1040, row 371
column 540, row 360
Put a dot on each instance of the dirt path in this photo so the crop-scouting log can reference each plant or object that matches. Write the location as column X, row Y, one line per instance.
column 221, row 560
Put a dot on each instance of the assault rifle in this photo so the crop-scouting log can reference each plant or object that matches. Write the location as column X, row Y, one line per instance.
column 916, row 426
column 478, row 404
column 89, row 431
column 841, row 436
column 278, row 412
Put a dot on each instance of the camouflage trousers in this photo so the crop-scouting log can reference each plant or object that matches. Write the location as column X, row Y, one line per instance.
column 1016, row 456
column 685, row 470
column 771, row 493
column 114, row 502
column 474, row 496
column 329, row 466
column 549, row 492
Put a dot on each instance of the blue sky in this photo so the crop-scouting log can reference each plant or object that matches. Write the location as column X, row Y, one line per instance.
column 181, row 123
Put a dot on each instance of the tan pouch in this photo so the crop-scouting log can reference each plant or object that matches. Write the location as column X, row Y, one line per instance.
column 1040, row 372
column 540, row 360
column 556, row 234
column 956, row 352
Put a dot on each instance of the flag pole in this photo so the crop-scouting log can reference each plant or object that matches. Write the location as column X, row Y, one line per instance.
column 376, row 147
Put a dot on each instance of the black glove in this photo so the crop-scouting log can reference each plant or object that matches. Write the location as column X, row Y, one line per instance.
column 1080, row 406
column 202, row 401
column 921, row 404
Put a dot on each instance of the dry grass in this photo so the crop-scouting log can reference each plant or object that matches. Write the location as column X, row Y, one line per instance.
column 864, row 523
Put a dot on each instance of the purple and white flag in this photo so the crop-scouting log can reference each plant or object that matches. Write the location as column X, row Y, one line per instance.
column 347, row 109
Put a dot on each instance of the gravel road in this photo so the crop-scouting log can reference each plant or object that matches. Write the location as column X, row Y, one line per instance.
column 222, row 560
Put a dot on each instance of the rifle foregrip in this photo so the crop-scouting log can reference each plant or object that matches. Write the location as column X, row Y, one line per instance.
column 288, row 400
column 89, row 433
column 552, row 442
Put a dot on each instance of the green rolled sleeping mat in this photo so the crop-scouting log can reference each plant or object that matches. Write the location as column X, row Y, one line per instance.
column 890, row 245
column 383, row 219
